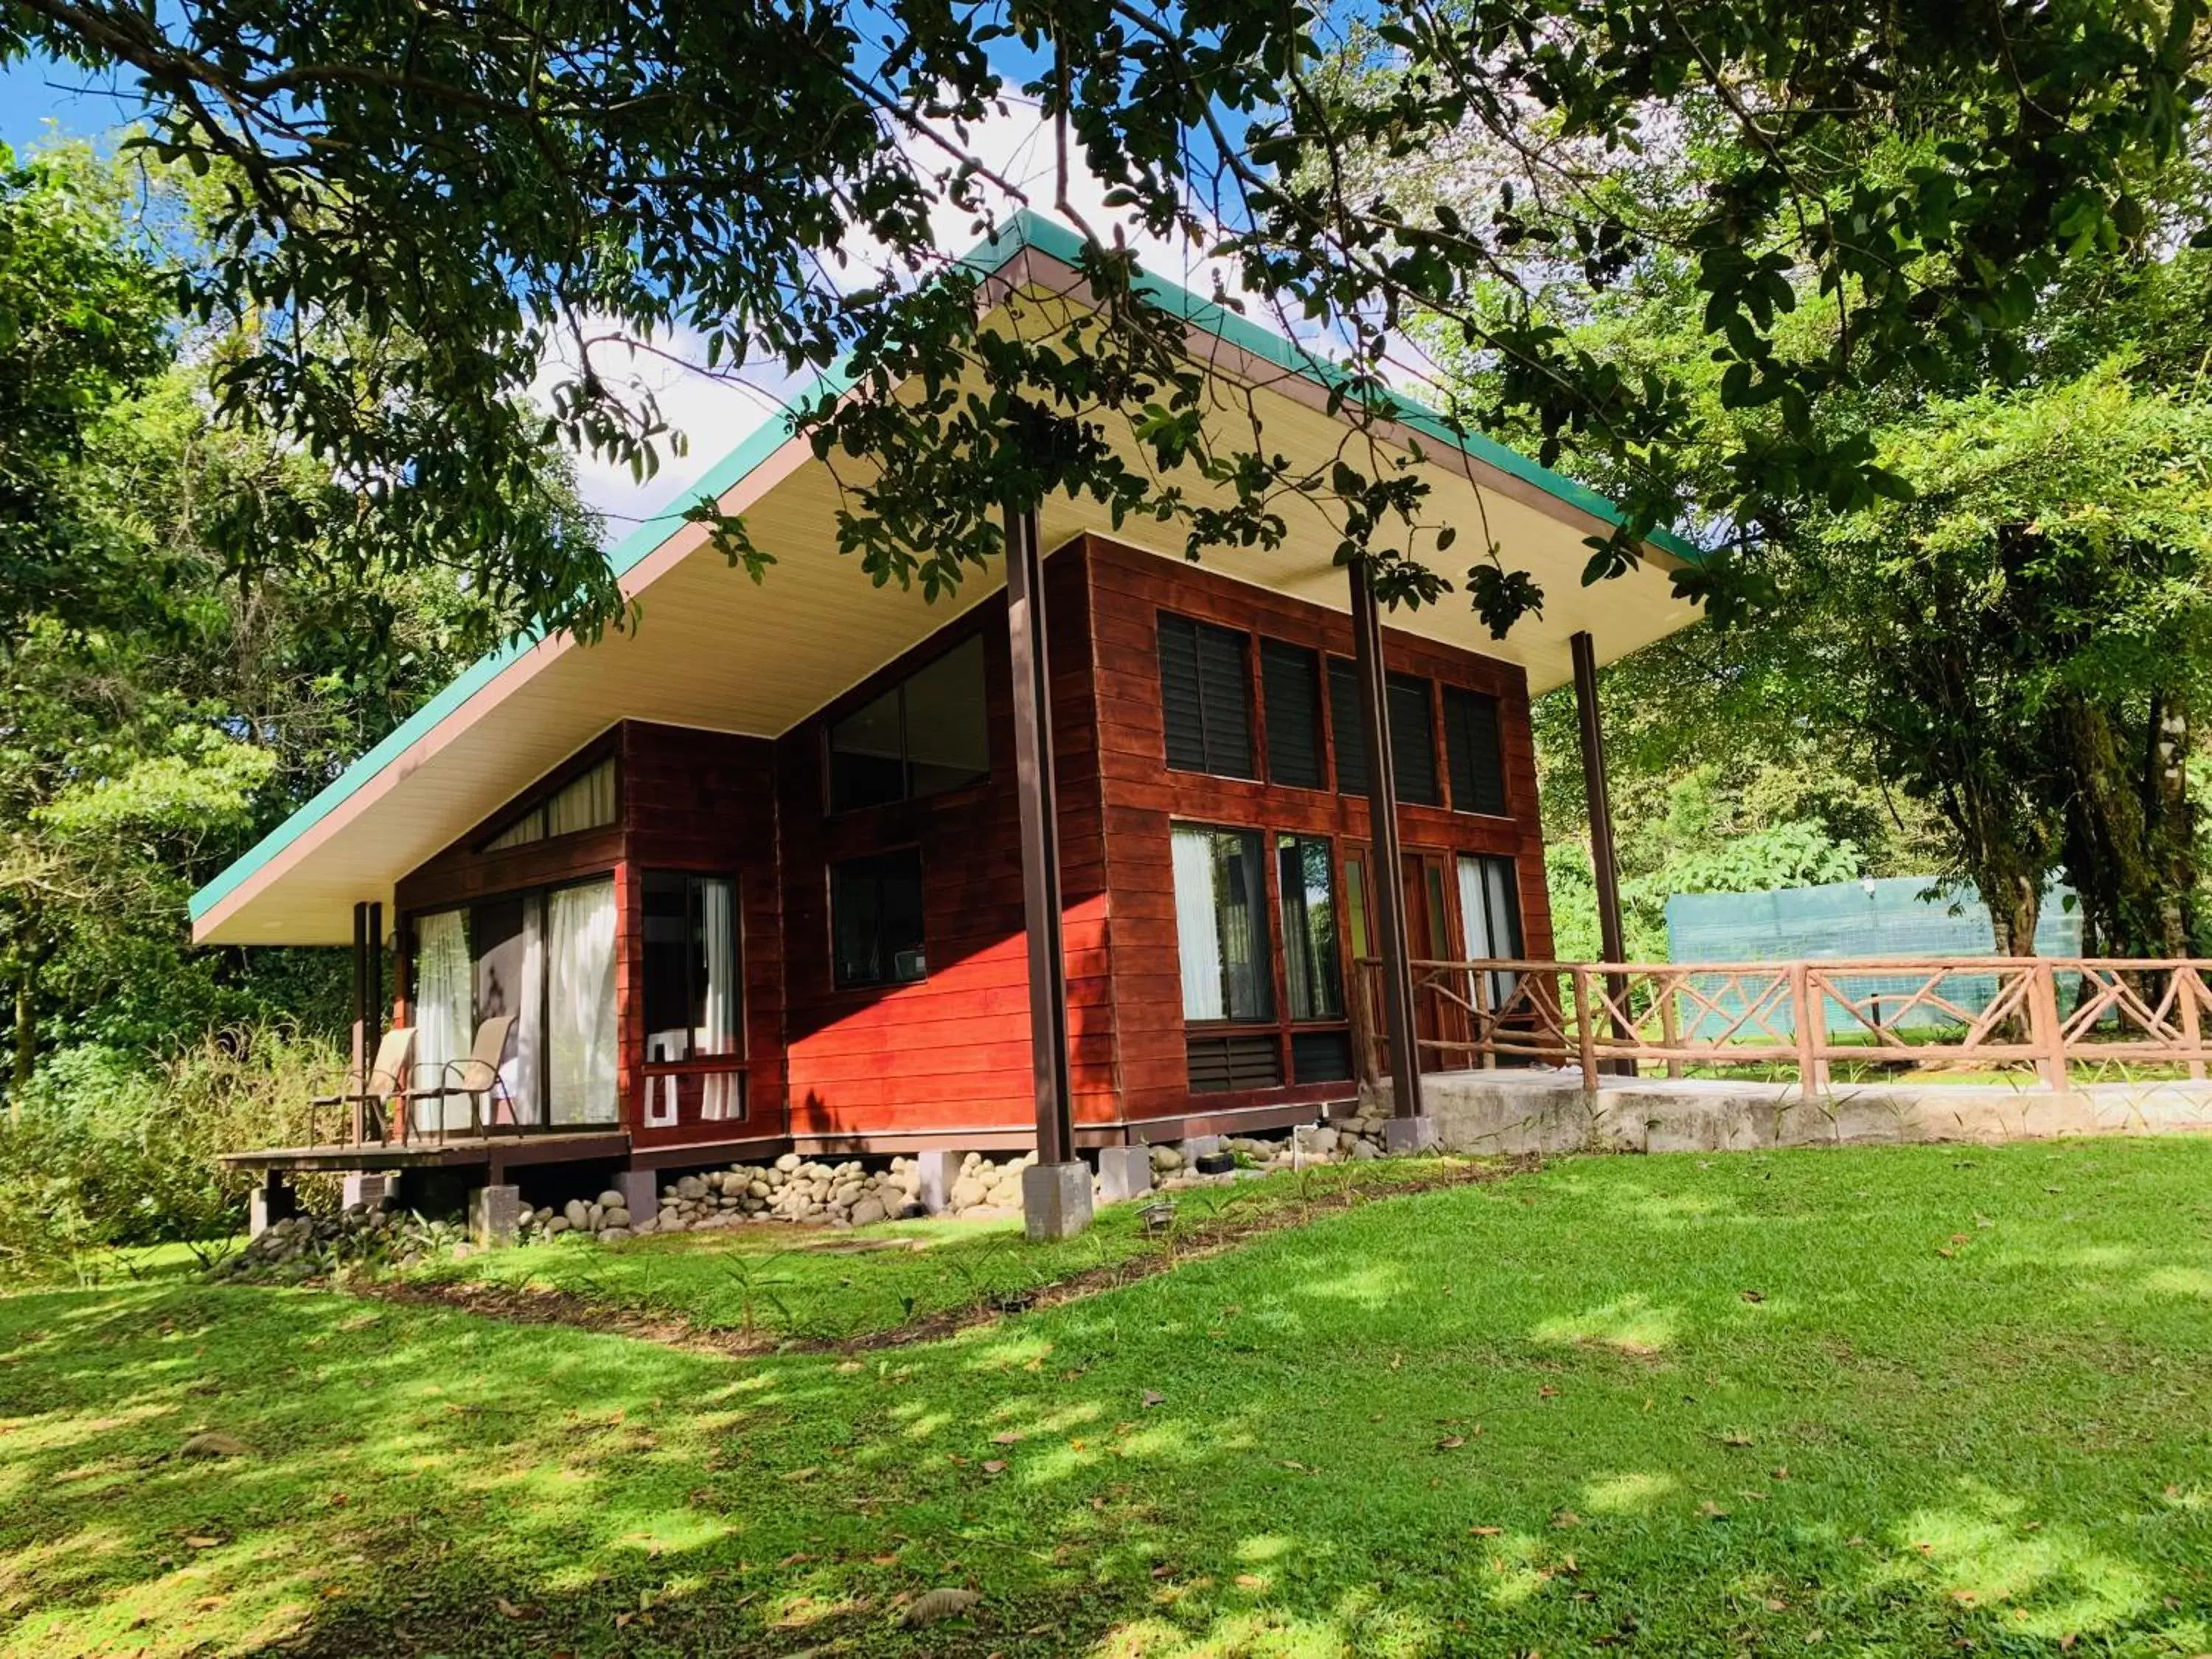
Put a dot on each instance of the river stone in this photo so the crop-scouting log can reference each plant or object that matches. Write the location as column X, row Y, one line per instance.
column 867, row 1212
column 614, row 1216
column 575, row 1213
column 610, row 1199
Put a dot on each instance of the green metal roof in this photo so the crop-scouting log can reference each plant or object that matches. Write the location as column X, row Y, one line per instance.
column 1025, row 230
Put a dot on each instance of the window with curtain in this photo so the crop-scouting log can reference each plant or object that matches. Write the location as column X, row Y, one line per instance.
column 1289, row 683
column 1305, row 876
column 875, row 920
column 690, row 965
column 508, row 935
column 1471, row 753
column 1221, row 924
column 1490, row 913
column 445, row 1006
column 1206, row 697
column 928, row 733
column 584, row 802
column 579, row 994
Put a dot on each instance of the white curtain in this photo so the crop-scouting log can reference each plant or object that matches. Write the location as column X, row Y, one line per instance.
column 1489, row 908
column 585, row 804
column 1198, row 926
column 580, row 964
column 718, row 1033
column 445, row 999
column 525, row 1046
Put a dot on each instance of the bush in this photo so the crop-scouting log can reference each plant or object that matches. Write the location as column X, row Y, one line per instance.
column 114, row 1149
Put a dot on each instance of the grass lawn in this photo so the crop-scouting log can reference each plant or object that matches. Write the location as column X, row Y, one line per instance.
column 1897, row 1401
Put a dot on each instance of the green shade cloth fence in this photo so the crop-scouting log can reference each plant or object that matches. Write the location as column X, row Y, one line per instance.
column 1894, row 916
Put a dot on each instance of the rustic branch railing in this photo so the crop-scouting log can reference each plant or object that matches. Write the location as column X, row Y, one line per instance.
column 1952, row 1013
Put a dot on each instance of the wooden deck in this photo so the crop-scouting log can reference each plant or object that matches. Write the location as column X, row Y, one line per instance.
column 455, row 1151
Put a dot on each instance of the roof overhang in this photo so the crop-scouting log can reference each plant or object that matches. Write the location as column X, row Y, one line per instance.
column 714, row 650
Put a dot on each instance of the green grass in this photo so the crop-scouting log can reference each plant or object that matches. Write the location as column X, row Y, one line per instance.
column 815, row 1286
column 1735, row 1405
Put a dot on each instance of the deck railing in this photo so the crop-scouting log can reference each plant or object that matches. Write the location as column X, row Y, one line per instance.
column 1956, row 1013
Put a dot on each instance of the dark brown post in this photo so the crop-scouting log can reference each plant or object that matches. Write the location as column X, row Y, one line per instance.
column 1039, row 800
column 1605, row 865
column 1389, row 879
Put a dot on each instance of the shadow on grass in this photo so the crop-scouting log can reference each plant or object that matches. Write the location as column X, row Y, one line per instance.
column 1453, row 1423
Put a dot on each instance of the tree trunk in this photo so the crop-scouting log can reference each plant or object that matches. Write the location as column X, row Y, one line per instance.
column 27, row 1039
column 2015, row 905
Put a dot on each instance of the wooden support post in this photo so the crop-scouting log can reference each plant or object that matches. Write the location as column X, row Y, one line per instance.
column 2044, row 1028
column 1670, row 1025
column 2186, row 979
column 1038, row 794
column 1586, row 1028
column 1605, row 860
column 1806, row 1020
column 1389, row 889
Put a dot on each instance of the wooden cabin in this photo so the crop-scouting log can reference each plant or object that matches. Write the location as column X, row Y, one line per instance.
column 752, row 875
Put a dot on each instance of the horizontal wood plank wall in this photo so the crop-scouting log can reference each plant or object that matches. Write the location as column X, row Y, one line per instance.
column 1140, row 797
column 705, row 801
column 953, row 1051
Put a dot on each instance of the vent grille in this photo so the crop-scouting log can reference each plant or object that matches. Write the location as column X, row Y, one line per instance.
column 1320, row 1057
column 1291, row 678
column 1204, row 698
column 1219, row 1064
column 1472, row 751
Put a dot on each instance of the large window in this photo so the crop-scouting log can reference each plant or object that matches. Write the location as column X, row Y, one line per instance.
column 584, row 802
column 1490, row 914
column 1206, row 698
column 1290, row 680
column 1471, row 752
column 1412, row 734
column 1221, row 924
column 927, row 734
column 1305, row 876
column 875, row 920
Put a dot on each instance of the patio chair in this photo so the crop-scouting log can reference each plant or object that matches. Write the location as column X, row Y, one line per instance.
column 474, row 1077
column 386, row 1081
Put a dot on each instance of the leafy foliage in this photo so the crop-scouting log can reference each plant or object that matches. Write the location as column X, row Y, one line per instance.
column 782, row 184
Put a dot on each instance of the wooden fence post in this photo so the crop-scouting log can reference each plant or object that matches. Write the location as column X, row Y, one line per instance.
column 1806, row 1020
column 2186, row 980
column 1585, row 1029
column 1368, row 1062
column 1670, row 1023
column 2044, row 1030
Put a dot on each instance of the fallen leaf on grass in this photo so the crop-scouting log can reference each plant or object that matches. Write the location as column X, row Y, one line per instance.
column 1451, row 1443
column 1754, row 1295
column 200, row 1543
column 1565, row 1518
column 1154, row 1397
column 1711, row 1510
column 1779, row 1473
column 995, row 1466
column 508, row 1610
column 1485, row 1532
column 1250, row 1581
column 1009, row 1438
column 948, row 1602
column 1735, row 1438
column 211, row 1444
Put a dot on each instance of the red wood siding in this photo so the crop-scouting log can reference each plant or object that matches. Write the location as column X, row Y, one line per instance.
column 953, row 1051
column 1140, row 798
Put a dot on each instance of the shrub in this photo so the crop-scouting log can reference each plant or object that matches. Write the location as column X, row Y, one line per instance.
column 111, row 1149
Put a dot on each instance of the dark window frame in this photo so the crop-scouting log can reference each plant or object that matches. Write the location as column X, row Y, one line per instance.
column 1276, row 696
column 1168, row 623
column 540, row 797
column 693, row 881
column 898, row 688
column 1460, row 704
column 889, row 979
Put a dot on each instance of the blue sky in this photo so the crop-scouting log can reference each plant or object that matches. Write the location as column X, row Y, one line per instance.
column 36, row 90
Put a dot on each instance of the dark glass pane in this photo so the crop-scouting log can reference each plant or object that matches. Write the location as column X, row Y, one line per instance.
column 1182, row 707
column 1413, row 740
column 1225, row 689
column 666, row 962
column 1348, row 728
column 947, row 737
column 1305, row 876
column 867, row 760
column 1471, row 746
column 875, row 918
column 1291, row 679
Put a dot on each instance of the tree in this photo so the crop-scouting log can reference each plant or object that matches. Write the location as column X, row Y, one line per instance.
column 782, row 181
